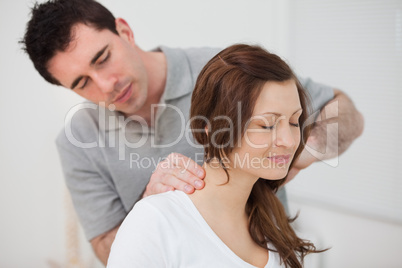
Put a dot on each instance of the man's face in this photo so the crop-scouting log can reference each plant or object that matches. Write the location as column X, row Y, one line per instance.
column 104, row 68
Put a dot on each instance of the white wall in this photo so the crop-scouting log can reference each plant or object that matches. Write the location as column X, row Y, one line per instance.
column 36, row 218
column 31, row 192
column 354, row 205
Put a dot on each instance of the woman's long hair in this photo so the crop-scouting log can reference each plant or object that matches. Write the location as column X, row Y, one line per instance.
column 230, row 81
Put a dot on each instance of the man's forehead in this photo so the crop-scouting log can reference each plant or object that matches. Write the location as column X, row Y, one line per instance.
column 81, row 32
column 85, row 43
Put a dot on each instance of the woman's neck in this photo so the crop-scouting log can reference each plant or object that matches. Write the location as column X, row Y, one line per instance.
column 222, row 204
column 223, row 199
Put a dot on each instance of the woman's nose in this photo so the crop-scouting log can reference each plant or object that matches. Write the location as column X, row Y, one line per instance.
column 284, row 135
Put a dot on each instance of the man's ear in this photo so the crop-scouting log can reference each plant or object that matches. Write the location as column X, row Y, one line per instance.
column 124, row 30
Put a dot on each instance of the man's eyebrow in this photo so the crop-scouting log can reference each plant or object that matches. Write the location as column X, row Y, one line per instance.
column 76, row 81
column 94, row 59
column 97, row 55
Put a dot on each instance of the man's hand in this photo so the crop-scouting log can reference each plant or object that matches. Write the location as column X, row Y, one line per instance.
column 176, row 172
column 326, row 142
column 305, row 159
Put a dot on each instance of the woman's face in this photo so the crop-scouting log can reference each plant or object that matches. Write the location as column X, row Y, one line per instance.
column 272, row 133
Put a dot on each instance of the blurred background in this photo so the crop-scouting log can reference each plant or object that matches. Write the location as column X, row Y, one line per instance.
column 352, row 204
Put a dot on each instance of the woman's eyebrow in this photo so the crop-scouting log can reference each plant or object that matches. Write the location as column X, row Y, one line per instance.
column 279, row 114
column 301, row 109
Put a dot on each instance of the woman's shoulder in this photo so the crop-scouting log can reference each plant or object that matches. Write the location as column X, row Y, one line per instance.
column 161, row 205
column 154, row 215
column 170, row 198
column 148, row 233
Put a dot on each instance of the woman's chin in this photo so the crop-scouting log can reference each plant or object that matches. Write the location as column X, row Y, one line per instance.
column 275, row 174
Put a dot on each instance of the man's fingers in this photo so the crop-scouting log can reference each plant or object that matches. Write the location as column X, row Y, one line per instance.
column 291, row 174
column 158, row 188
column 180, row 182
column 171, row 182
column 186, row 163
column 176, row 172
column 187, row 177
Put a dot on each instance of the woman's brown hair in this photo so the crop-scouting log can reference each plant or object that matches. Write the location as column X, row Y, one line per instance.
column 229, row 82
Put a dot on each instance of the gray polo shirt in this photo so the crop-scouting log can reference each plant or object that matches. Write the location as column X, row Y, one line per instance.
column 107, row 159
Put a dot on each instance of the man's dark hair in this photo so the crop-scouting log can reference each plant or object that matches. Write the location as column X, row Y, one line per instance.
column 49, row 29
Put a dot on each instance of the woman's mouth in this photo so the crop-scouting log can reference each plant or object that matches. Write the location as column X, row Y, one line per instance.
column 280, row 159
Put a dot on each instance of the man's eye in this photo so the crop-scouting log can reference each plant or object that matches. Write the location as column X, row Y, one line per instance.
column 84, row 84
column 105, row 59
column 294, row 124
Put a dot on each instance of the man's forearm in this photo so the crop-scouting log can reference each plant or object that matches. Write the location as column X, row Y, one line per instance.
column 103, row 243
column 335, row 129
column 337, row 126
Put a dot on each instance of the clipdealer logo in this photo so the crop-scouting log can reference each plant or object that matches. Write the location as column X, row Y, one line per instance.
column 327, row 154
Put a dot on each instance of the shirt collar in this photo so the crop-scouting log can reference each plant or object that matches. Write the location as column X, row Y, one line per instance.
column 177, row 68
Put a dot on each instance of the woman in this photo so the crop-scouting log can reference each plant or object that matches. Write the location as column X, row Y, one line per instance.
column 247, row 110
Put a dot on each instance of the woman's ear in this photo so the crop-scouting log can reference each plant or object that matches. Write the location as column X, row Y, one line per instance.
column 124, row 30
column 206, row 130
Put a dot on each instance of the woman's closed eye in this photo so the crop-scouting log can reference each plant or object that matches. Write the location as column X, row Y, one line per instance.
column 268, row 127
column 273, row 126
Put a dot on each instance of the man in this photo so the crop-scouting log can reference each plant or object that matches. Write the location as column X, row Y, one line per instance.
column 139, row 103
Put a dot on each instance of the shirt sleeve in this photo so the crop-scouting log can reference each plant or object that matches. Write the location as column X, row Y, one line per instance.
column 96, row 201
column 139, row 241
column 319, row 94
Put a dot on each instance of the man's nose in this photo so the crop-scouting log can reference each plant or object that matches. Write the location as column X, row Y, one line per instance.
column 106, row 83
